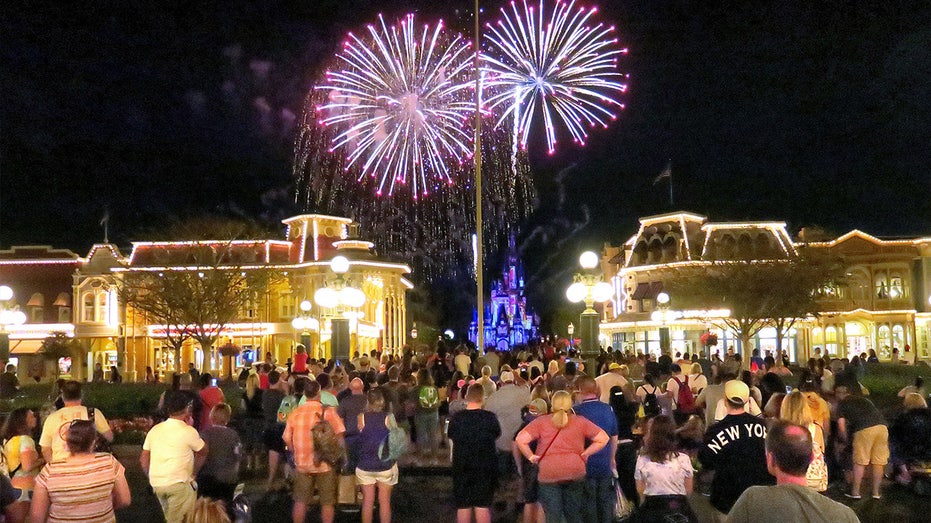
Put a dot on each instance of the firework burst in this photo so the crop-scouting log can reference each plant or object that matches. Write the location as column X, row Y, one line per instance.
column 400, row 103
column 559, row 62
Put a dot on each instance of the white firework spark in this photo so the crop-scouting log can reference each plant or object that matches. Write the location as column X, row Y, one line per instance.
column 401, row 104
column 563, row 65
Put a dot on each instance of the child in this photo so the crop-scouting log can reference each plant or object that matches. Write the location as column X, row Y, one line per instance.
column 475, row 460
column 218, row 477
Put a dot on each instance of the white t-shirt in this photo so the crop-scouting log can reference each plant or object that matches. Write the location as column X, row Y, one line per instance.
column 462, row 363
column 608, row 380
column 664, row 479
column 56, row 426
column 172, row 444
column 697, row 382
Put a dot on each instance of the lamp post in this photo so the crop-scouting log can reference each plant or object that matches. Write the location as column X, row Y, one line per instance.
column 588, row 287
column 9, row 315
column 662, row 315
column 339, row 294
column 571, row 330
column 304, row 324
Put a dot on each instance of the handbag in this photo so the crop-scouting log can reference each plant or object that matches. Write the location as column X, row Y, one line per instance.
column 396, row 443
column 623, row 508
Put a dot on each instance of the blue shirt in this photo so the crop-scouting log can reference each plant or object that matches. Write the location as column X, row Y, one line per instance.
column 601, row 414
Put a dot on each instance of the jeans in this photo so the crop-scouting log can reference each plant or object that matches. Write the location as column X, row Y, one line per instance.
column 600, row 499
column 562, row 502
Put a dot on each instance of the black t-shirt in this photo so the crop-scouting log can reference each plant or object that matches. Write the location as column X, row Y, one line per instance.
column 860, row 413
column 474, row 433
column 8, row 384
column 735, row 448
column 271, row 400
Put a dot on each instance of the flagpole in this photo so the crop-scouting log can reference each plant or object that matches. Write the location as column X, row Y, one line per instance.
column 671, row 204
column 479, row 262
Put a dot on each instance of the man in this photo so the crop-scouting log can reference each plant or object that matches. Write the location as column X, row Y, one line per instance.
column 735, row 449
column 613, row 378
column 860, row 422
column 210, row 396
column 349, row 409
column 493, row 360
column 193, row 372
column 685, row 402
column 9, row 383
column 272, row 429
column 172, row 454
column 327, row 390
column 506, row 403
column 308, row 475
column 56, row 425
column 788, row 453
column 709, row 397
column 473, row 432
column 600, row 469
column 463, row 362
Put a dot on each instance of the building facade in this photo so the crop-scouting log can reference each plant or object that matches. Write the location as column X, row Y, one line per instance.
column 62, row 292
column 882, row 305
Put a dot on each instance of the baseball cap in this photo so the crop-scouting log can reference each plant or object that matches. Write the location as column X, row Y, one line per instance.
column 537, row 407
column 507, row 377
column 737, row 392
column 614, row 366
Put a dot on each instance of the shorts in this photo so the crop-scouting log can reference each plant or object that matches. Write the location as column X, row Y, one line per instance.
column 474, row 488
column 323, row 482
column 271, row 438
column 871, row 446
column 384, row 477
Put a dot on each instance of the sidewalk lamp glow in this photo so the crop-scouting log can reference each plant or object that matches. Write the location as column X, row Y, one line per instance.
column 305, row 305
column 339, row 265
column 6, row 293
column 576, row 292
column 662, row 298
column 326, row 297
column 449, row 333
column 588, row 260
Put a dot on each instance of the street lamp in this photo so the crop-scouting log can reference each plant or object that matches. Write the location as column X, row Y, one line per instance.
column 339, row 294
column 304, row 324
column 9, row 315
column 571, row 330
column 588, row 287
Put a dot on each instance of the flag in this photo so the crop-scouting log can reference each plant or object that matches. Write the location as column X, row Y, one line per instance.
column 667, row 173
column 106, row 218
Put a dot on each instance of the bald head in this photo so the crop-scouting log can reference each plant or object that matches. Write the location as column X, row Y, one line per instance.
column 790, row 447
column 356, row 385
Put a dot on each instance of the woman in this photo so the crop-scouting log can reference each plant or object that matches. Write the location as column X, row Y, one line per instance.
column 115, row 376
column 561, row 454
column 149, row 375
column 23, row 461
column 488, row 385
column 910, row 436
column 253, row 420
column 795, row 410
column 426, row 414
column 664, row 475
column 626, row 456
column 648, row 395
column 86, row 486
column 372, row 472
column 697, row 380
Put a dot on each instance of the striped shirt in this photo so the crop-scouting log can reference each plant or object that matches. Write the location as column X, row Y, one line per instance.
column 81, row 488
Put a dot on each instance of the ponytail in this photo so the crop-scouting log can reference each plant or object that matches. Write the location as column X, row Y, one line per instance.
column 562, row 405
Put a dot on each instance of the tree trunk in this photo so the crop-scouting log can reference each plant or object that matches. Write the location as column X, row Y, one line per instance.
column 746, row 350
column 178, row 360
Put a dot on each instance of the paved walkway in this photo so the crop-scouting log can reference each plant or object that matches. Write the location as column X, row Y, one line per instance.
column 424, row 494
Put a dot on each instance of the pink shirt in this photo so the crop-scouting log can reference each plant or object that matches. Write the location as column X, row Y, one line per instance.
column 561, row 453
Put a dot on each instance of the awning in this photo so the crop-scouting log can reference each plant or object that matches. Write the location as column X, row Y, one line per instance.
column 647, row 291
column 37, row 300
column 25, row 346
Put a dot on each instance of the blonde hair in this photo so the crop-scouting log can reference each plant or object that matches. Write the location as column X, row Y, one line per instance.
column 553, row 367
column 561, row 407
column 696, row 368
column 252, row 385
column 207, row 510
column 914, row 400
column 795, row 409
column 220, row 414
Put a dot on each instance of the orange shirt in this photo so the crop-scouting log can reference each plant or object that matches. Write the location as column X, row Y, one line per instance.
column 298, row 438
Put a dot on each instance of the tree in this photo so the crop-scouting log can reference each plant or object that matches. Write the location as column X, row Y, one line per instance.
column 58, row 346
column 200, row 285
column 759, row 293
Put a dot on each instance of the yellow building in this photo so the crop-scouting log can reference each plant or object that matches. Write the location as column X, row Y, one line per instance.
column 112, row 333
column 883, row 305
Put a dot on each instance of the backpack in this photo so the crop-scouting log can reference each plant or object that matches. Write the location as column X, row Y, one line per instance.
column 287, row 405
column 650, row 403
column 395, row 445
column 685, row 401
column 428, row 398
column 327, row 446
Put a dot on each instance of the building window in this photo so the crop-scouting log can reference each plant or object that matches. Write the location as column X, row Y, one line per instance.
column 884, row 333
column 88, row 307
column 64, row 315
column 896, row 289
column 881, row 286
column 286, row 305
column 101, row 299
column 830, row 340
column 36, row 314
column 898, row 337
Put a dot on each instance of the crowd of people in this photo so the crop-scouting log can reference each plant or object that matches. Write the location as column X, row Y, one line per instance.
column 583, row 444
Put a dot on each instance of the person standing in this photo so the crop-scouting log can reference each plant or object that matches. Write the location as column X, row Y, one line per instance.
column 506, row 404
column 349, row 409
column 373, row 471
column 172, row 454
column 310, row 474
column 52, row 439
column 9, row 383
column 664, row 475
column 85, row 486
column 734, row 449
column 561, row 453
column 861, row 424
column 218, row 477
column 210, row 396
column 795, row 410
column 613, row 378
column 475, row 464
column 600, row 468
column 788, row 454
column 272, row 428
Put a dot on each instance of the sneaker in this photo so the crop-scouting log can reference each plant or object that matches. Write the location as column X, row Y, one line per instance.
column 851, row 496
column 877, row 497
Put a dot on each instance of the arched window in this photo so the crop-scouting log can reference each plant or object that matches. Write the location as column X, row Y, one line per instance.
column 881, row 286
column 87, row 307
column 896, row 289
column 101, row 299
column 884, row 335
column 830, row 339
column 898, row 337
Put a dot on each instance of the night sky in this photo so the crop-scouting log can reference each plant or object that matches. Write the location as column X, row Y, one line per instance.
column 808, row 112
